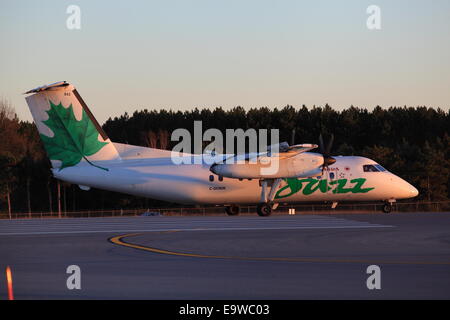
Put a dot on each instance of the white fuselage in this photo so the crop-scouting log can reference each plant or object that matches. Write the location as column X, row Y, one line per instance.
column 151, row 173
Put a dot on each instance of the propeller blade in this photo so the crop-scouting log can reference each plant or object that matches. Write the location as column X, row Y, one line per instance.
column 330, row 144
column 293, row 137
column 326, row 151
column 322, row 151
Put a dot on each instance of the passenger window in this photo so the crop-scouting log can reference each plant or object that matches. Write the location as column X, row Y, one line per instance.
column 220, row 178
column 331, row 175
column 370, row 168
column 211, row 178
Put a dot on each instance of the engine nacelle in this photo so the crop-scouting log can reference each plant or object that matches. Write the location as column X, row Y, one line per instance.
column 303, row 165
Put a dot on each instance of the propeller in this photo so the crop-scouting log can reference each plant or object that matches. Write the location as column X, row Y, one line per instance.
column 327, row 158
column 325, row 151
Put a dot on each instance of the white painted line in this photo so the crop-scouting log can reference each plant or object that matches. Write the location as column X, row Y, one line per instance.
column 195, row 229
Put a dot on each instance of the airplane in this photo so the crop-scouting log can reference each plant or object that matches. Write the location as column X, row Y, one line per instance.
column 81, row 153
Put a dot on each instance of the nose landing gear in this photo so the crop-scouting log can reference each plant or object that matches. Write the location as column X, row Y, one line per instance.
column 387, row 207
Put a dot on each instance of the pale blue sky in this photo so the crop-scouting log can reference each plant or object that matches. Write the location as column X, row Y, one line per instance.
column 183, row 54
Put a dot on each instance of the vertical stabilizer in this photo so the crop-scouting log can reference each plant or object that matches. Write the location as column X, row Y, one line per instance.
column 70, row 133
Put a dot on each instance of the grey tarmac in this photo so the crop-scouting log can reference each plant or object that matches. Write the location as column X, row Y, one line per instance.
column 221, row 257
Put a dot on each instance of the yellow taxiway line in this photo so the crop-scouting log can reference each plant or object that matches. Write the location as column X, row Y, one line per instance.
column 119, row 241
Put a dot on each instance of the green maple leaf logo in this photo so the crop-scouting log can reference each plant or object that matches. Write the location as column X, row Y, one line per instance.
column 73, row 139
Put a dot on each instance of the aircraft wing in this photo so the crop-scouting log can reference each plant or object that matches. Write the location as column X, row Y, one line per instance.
column 284, row 151
column 297, row 149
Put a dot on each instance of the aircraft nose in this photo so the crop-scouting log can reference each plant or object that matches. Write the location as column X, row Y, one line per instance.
column 404, row 189
column 409, row 190
column 414, row 192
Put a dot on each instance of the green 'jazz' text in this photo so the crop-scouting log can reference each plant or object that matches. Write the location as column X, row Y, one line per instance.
column 311, row 185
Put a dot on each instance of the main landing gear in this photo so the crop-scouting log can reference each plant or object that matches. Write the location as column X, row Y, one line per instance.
column 232, row 210
column 264, row 209
column 266, row 205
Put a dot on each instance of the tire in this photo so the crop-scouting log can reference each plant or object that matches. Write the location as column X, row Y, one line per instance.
column 264, row 209
column 232, row 210
column 387, row 208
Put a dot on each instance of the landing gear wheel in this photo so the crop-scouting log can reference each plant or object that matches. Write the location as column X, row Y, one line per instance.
column 232, row 210
column 264, row 209
column 387, row 208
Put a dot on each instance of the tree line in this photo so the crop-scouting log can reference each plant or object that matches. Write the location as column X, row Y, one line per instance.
column 412, row 142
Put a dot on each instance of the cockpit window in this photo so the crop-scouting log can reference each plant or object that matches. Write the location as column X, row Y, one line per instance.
column 380, row 168
column 370, row 168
